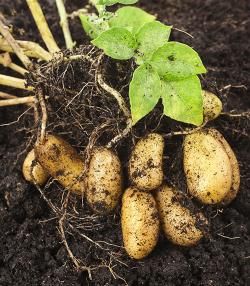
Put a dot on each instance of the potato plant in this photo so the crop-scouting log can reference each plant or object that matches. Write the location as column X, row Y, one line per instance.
column 166, row 71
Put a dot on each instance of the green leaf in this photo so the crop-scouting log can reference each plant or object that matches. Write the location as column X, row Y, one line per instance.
column 144, row 91
column 182, row 100
column 112, row 2
column 128, row 2
column 93, row 25
column 117, row 43
column 176, row 61
column 150, row 37
column 131, row 18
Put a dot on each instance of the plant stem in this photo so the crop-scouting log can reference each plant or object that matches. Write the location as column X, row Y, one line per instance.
column 64, row 24
column 42, row 25
column 5, row 60
column 30, row 49
column 14, row 82
column 5, row 95
column 100, row 8
column 14, row 45
column 16, row 101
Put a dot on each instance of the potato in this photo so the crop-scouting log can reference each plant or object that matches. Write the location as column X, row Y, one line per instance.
column 145, row 165
column 104, row 180
column 210, row 167
column 231, row 195
column 32, row 171
column 212, row 105
column 62, row 162
column 140, row 223
column 180, row 226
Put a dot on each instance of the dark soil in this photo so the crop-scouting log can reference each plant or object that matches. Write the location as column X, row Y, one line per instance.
column 31, row 252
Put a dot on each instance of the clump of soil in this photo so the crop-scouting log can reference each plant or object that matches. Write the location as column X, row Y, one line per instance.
column 31, row 252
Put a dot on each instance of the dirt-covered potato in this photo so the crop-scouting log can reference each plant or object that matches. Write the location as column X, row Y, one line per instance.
column 32, row 171
column 231, row 195
column 212, row 105
column 179, row 224
column 62, row 162
column 140, row 223
column 211, row 167
column 145, row 165
column 104, row 180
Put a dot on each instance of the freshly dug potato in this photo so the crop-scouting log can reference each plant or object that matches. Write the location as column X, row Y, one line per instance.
column 231, row 195
column 32, row 171
column 140, row 222
column 210, row 167
column 179, row 224
column 145, row 165
column 104, row 180
column 62, row 162
column 212, row 105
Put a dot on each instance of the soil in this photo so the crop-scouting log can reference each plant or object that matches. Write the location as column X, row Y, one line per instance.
column 31, row 251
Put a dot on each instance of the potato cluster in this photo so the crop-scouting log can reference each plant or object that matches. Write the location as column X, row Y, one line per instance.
column 148, row 205
column 101, row 182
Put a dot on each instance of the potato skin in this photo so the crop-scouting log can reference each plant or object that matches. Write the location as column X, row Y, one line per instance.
column 212, row 105
column 145, row 164
column 32, row 171
column 207, row 167
column 104, row 181
column 62, row 162
column 231, row 195
column 178, row 223
column 140, row 223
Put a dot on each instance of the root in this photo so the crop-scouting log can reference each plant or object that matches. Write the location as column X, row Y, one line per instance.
column 14, row 45
column 64, row 24
column 122, row 135
column 65, row 219
column 6, row 61
column 42, row 25
column 61, row 223
column 18, row 119
column 186, row 131
column 233, row 114
column 44, row 115
column 121, row 102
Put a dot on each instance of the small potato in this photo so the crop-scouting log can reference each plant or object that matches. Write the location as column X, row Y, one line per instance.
column 32, row 171
column 145, row 165
column 231, row 195
column 104, row 180
column 211, row 167
column 140, row 223
column 179, row 225
column 212, row 105
column 62, row 162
